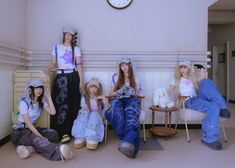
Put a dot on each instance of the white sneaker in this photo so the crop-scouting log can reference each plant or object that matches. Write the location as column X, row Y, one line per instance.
column 66, row 152
column 78, row 143
column 22, row 151
column 91, row 144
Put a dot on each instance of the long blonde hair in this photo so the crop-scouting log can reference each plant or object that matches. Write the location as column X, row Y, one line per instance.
column 98, row 93
column 191, row 75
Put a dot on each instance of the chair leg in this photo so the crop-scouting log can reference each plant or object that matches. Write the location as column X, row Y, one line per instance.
column 177, row 119
column 144, row 132
column 187, row 132
column 223, row 130
column 106, row 132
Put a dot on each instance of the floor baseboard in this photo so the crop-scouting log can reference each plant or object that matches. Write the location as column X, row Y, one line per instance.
column 5, row 140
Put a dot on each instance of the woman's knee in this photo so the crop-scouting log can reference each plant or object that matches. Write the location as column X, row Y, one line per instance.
column 115, row 103
column 53, row 136
column 214, row 109
column 206, row 83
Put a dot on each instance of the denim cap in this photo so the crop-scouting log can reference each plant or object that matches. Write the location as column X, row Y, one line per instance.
column 35, row 83
column 185, row 63
column 126, row 60
column 93, row 82
column 68, row 29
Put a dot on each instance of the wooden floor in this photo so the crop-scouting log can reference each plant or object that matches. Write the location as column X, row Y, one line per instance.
column 176, row 153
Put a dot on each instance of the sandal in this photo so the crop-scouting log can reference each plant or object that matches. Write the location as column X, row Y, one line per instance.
column 65, row 138
column 78, row 143
column 91, row 144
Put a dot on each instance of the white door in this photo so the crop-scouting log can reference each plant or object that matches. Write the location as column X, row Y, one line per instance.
column 220, row 68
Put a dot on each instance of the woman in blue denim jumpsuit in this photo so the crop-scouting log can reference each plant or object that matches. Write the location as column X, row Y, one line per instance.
column 124, row 110
column 202, row 95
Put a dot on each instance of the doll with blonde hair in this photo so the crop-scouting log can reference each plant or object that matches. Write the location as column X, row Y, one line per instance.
column 203, row 96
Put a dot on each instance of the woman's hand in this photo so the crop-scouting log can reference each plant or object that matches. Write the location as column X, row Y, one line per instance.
column 100, row 97
column 52, row 66
column 46, row 71
column 81, row 87
column 47, row 92
column 51, row 108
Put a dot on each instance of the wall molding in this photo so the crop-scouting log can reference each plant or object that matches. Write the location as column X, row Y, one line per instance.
column 142, row 59
column 5, row 139
column 14, row 56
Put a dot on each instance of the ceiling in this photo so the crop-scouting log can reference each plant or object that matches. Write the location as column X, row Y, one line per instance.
column 223, row 4
column 222, row 12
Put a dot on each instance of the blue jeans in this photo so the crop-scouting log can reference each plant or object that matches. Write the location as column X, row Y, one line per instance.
column 88, row 126
column 209, row 101
column 123, row 115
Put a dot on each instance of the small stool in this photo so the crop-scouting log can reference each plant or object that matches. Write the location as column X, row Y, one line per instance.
column 166, row 131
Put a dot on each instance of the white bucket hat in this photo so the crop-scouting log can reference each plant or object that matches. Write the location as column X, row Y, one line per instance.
column 68, row 29
column 35, row 83
column 186, row 63
column 126, row 60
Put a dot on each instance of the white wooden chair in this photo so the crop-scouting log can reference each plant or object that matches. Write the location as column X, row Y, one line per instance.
column 189, row 115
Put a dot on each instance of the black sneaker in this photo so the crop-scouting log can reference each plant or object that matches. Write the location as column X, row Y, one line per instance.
column 213, row 145
column 225, row 113
column 127, row 149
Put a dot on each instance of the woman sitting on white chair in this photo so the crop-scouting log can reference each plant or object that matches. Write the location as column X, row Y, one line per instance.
column 201, row 96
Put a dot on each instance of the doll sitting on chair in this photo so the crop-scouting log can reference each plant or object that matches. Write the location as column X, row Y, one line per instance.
column 88, row 128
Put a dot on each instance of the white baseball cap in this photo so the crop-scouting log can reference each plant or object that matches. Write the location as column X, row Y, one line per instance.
column 186, row 63
column 68, row 29
column 126, row 60
column 35, row 83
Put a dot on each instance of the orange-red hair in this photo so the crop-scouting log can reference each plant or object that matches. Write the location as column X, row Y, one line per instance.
column 121, row 78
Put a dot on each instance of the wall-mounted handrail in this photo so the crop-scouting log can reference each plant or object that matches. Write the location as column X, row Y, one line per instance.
column 12, row 55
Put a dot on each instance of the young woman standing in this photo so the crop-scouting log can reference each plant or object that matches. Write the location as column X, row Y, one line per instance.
column 68, row 83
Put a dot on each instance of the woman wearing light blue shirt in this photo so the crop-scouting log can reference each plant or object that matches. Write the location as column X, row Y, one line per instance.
column 26, row 136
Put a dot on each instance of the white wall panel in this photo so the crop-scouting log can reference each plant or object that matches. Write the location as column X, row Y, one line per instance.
column 6, row 101
column 12, row 42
